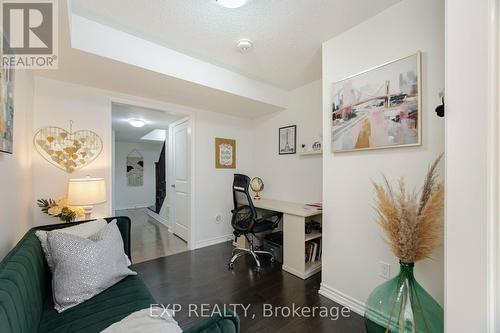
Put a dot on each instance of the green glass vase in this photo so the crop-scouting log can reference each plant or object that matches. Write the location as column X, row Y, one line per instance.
column 402, row 305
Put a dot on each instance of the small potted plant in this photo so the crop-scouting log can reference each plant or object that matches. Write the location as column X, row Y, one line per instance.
column 60, row 208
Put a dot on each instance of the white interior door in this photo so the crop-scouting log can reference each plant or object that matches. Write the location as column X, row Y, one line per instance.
column 180, row 182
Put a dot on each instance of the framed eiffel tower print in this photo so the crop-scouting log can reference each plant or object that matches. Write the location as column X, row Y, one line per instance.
column 288, row 140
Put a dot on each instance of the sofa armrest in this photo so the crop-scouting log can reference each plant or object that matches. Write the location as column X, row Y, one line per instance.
column 227, row 323
column 123, row 223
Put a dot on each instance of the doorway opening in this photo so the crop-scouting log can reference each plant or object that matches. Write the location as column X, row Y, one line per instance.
column 143, row 158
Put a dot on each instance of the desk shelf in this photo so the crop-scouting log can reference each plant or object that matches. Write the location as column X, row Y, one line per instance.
column 313, row 235
column 295, row 217
column 312, row 268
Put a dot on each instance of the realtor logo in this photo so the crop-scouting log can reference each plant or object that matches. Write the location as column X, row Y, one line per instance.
column 29, row 34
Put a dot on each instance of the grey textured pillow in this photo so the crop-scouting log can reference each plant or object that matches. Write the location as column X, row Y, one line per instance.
column 85, row 267
column 85, row 230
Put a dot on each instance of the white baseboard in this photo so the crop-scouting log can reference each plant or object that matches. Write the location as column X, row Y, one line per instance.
column 159, row 218
column 342, row 299
column 143, row 205
column 213, row 241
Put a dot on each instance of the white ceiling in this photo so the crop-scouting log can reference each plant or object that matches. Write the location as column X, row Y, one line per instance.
column 91, row 70
column 153, row 119
column 287, row 34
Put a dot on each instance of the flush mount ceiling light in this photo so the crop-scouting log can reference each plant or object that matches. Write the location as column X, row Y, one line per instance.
column 232, row 3
column 136, row 123
column 244, row 45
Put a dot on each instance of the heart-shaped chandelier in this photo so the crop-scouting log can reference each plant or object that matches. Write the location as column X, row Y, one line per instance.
column 69, row 151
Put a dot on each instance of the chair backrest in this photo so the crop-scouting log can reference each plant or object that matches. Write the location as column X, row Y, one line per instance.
column 244, row 213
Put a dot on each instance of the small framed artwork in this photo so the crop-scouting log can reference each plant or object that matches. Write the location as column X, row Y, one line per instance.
column 225, row 153
column 378, row 108
column 288, row 140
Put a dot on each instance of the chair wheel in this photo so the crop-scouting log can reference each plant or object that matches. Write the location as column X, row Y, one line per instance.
column 230, row 265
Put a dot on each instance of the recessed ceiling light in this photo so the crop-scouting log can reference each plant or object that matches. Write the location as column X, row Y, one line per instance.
column 232, row 3
column 136, row 123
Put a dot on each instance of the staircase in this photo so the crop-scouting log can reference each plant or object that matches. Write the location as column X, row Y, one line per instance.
column 160, row 181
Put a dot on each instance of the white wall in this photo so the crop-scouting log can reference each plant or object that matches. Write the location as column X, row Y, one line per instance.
column 128, row 197
column 55, row 104
column 213, row 193
column 291, row 177
column 58, row 102
column 15, row 176
column 353, row 242
column 471, row 166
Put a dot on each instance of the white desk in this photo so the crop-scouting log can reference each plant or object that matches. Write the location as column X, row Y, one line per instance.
column 294, row 235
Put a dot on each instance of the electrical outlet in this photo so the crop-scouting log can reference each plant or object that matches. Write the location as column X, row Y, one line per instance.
column 385, row 270
column 218, row 219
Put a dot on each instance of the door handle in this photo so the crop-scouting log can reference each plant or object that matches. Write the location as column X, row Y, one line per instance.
column 172, row 186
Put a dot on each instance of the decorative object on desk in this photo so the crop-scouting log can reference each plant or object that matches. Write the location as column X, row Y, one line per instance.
column 225, row 153
column 86, row 192
column 413, row 226
column 316, row 146
column 135, row 168
column 69, row 151
column 60, row 208
column 257, row 185
column 378, row 108
column 6, row 109
column 287, row 140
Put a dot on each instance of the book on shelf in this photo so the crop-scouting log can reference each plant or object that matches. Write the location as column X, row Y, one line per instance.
column 313, row 250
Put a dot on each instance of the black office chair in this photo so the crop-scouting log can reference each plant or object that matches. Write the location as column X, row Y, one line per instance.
column 249, row 220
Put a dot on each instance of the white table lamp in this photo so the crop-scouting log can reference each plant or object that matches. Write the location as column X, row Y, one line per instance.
column 86, row 192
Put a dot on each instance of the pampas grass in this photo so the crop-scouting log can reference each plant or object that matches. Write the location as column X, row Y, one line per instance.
column 413, row 223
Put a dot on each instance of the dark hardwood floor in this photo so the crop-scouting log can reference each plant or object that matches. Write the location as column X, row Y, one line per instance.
column 202, row 277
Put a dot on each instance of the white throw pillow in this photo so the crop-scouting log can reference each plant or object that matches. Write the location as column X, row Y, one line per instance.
column 84, row 267
column 84, row 230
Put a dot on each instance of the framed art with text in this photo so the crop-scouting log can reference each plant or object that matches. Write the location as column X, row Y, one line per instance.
column 225, row 153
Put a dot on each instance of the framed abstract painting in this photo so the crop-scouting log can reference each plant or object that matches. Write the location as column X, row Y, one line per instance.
column 378, row 108
column 6, row 110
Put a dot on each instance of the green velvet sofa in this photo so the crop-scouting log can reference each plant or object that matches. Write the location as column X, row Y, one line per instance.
column 26, row 298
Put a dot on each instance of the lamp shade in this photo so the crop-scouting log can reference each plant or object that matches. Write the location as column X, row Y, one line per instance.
column 86, row 191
